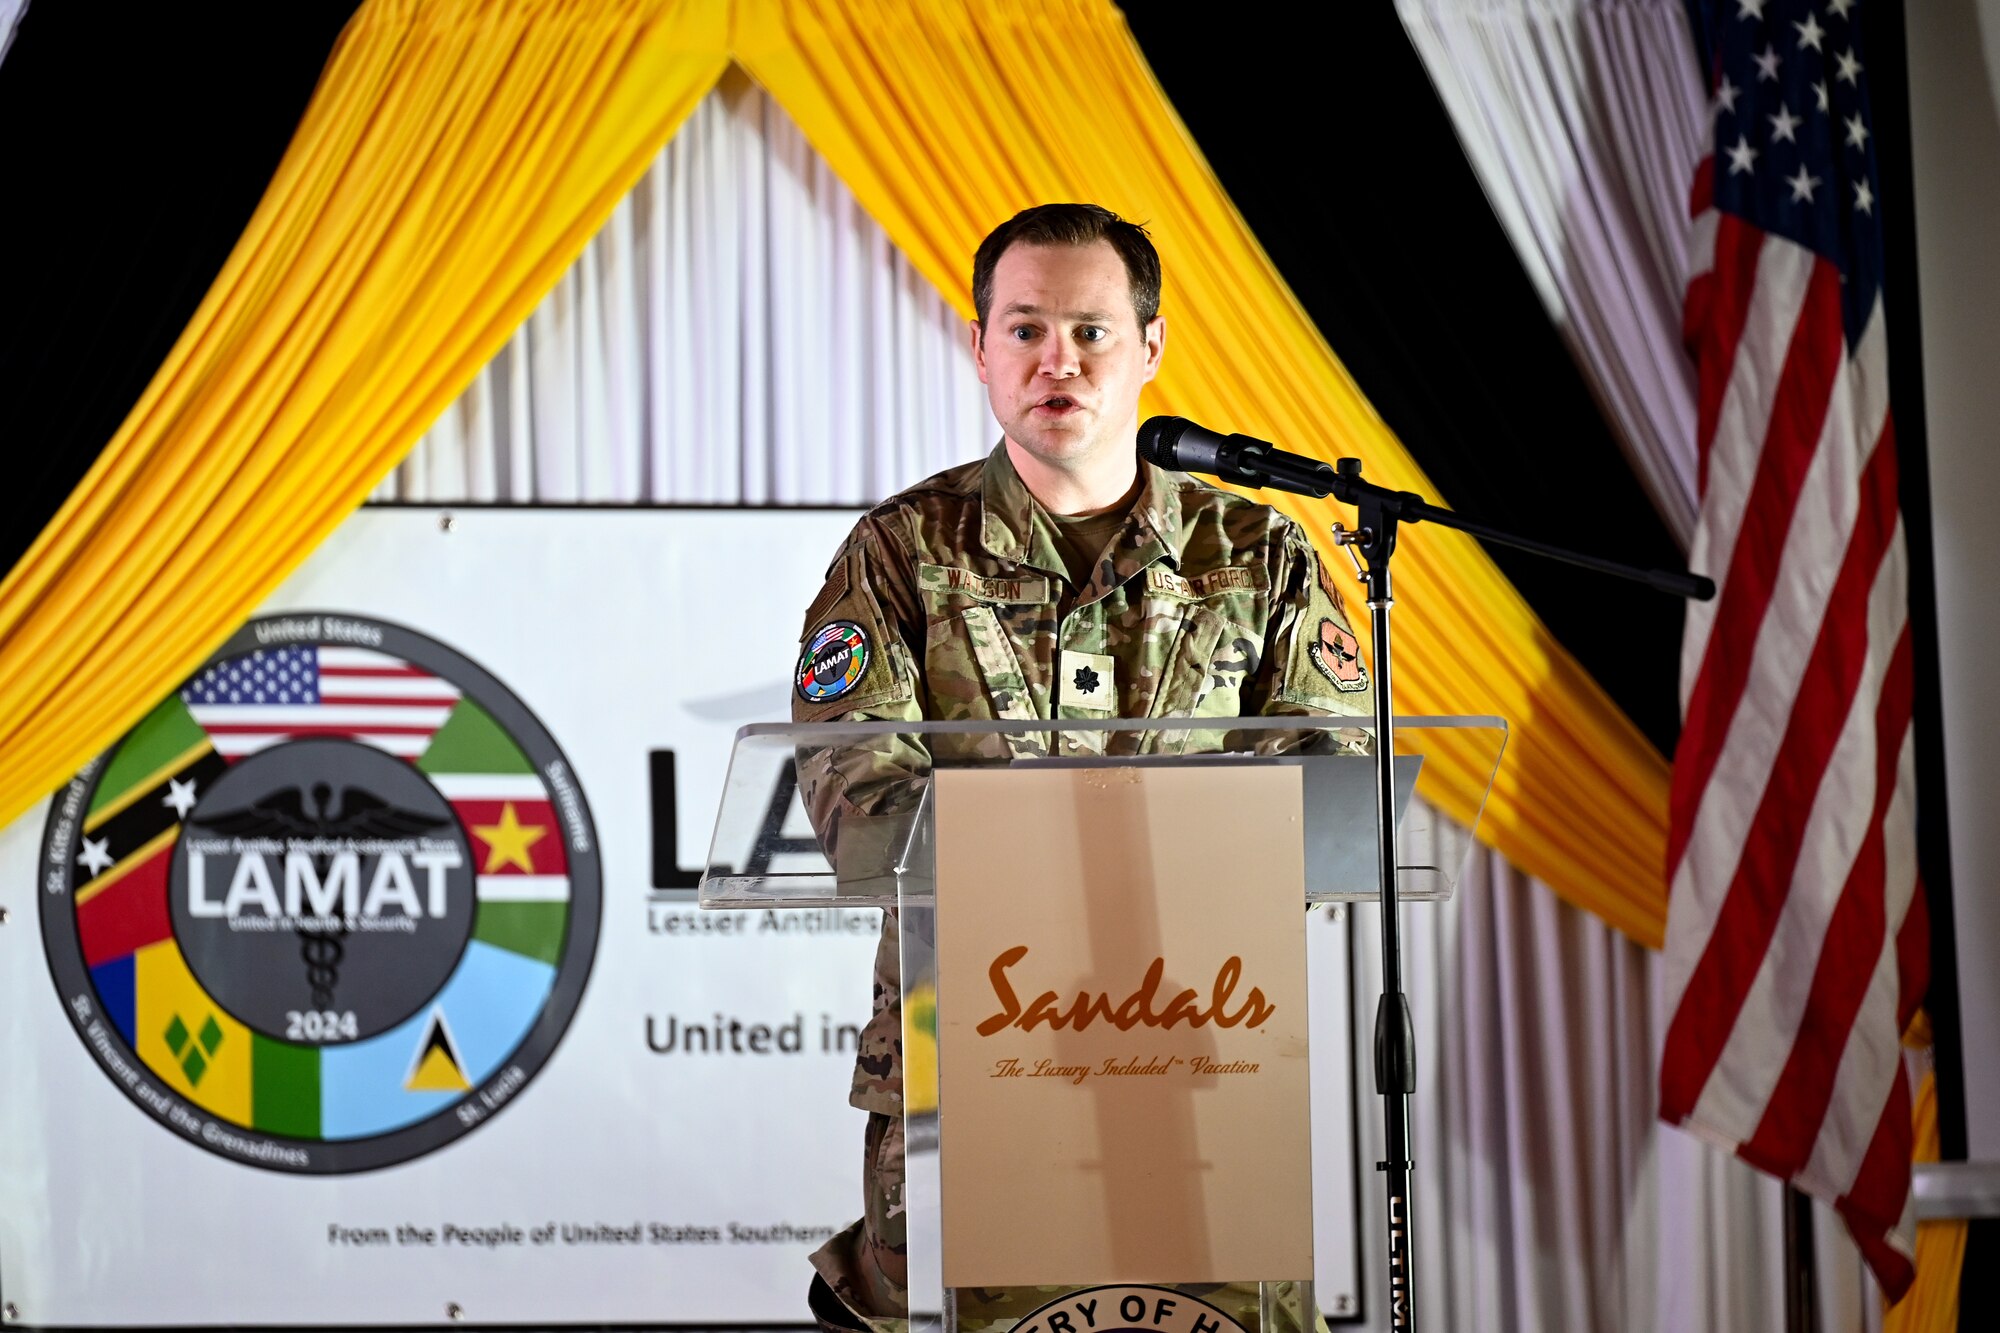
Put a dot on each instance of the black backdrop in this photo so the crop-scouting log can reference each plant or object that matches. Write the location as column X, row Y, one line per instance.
column 140, row 138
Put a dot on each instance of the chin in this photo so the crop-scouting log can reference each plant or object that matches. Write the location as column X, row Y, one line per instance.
column 1054, row 445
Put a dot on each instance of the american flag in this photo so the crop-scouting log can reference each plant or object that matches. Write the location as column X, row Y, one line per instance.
column 270, row 695
column 1797, row 942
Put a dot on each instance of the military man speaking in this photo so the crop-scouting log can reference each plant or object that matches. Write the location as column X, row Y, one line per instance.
column 1060, row 577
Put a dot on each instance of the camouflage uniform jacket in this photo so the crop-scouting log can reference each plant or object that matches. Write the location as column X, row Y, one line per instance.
column 950, row 601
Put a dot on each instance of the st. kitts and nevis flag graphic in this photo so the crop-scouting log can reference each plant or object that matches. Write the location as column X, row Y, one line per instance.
column 319, row 1087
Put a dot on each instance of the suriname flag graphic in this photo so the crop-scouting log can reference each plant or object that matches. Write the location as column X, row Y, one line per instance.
column 331, row 904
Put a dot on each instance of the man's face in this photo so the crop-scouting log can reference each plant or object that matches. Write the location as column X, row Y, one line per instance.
column 1062, row 354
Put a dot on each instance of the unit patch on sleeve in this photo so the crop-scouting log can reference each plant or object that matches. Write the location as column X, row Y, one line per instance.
column 832, row 662
column 1337, row 654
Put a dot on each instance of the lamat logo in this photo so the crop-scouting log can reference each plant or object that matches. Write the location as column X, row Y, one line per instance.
column 330, row 905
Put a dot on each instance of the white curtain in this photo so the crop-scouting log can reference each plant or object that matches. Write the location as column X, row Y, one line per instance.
column 1584, row 120
column 742, row 333
column 1549, row 1196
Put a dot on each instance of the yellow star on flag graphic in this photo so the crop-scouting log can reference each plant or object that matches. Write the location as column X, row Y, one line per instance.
column 508, row 841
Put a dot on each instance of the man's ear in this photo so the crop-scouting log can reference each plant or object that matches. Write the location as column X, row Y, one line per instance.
column 978, row 349
column 1156, row 345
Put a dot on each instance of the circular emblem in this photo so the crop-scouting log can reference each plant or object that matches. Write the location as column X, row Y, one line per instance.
column 330, row 905
column 833, row 661
column 1135, row 1309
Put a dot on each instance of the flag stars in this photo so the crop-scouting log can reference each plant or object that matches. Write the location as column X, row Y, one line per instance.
column 95, row 856
column 1850, row 68
column 1803, row 186
column 1742, row 157
column 180, row 796
column 1750, row 9
column 1810, row 33
column 1857, row 131
column 1839, row 8
column 1819, row 94
column 1784, row 125
column 1864, row 198
column 1767, row 64
column 1726, row 95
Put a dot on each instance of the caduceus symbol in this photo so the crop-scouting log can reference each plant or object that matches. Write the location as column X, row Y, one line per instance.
column 356, row 814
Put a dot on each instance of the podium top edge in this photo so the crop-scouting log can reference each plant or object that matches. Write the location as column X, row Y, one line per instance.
column 1313, row 722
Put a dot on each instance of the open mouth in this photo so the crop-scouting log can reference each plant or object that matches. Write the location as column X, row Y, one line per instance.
column 1057, row 404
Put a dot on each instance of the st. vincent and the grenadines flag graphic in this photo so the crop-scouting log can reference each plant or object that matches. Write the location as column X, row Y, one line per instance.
column 331, row 904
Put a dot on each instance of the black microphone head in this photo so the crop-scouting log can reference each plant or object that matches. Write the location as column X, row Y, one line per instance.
column 1157, row 438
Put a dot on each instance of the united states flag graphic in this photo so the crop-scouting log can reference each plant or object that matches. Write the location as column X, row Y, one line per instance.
column 277, row 694
column 1796, row 934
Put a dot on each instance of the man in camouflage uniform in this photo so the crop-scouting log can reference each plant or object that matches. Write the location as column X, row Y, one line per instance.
column 1060, row 577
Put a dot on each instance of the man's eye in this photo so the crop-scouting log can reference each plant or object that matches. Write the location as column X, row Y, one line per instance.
column 1090, row 333
column 1021, row 333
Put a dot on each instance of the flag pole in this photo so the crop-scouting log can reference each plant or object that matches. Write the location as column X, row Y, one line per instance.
column 1801, row 1265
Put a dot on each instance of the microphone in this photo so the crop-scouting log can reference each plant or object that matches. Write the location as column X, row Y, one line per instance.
column 1179, row 444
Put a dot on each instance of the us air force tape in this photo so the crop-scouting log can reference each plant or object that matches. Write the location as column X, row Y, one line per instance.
column 832, row 662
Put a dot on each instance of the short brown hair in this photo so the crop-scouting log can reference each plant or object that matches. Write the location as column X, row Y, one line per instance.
column 1071, row 224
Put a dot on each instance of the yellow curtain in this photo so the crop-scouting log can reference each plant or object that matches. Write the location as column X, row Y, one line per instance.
column 455, row 159
column 945, row 119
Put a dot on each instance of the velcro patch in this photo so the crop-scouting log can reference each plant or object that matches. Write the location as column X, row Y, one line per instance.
column 1088, row 681
column 832, row 662
column 1230, row 578
column 1007, row 591
column 830, row 595
column 1338, row 656
column 1327, row 586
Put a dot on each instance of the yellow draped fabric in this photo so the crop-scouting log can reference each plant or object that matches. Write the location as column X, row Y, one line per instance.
column 455, row 159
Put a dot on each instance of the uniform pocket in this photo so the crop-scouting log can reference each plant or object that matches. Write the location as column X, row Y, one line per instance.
column 973, row 670
column 1186, row 678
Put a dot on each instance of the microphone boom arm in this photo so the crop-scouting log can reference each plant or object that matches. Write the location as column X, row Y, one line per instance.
column 1345, row 485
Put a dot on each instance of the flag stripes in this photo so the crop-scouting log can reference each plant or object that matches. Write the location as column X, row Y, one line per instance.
column 1797, row 939
column 1851, row 960
column 255, row 701
column 523, row 888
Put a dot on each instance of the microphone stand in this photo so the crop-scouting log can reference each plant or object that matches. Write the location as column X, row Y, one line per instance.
column 1373, row 541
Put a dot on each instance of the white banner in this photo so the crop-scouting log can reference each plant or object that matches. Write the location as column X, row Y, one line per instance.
column 294, row 1037
column 686, row 1141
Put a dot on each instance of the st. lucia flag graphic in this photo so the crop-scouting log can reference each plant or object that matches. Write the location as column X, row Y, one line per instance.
column 437, row 1067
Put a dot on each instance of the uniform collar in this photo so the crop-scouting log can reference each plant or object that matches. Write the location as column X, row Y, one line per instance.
column 1009, row 528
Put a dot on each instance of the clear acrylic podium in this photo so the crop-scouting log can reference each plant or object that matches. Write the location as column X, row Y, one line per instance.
column 927, row 819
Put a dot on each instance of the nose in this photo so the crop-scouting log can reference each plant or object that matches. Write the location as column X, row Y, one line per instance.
column 1059, row 357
